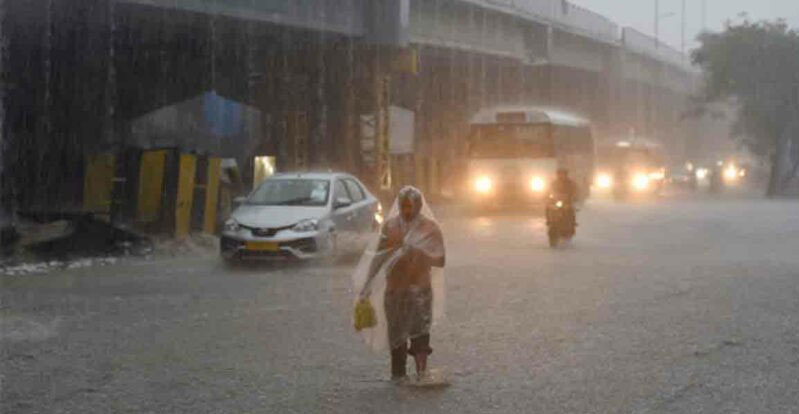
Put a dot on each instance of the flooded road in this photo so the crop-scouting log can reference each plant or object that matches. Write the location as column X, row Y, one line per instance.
column 676, row 306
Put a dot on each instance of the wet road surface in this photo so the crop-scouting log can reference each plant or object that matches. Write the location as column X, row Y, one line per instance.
column 671, row 307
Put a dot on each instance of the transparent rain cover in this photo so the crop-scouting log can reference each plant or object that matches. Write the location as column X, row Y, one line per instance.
column 399, row 246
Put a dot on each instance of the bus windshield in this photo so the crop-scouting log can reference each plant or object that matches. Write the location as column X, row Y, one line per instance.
column 630, row 157
column 511, row 141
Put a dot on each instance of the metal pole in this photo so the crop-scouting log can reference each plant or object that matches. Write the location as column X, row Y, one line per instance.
column 682, row 40
column 704, row 15
column 657, row 23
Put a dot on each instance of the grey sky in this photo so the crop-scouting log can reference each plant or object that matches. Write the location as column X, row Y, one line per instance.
column 640, row 14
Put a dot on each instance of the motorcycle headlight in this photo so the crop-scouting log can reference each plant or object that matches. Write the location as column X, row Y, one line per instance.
column 232, row 225
column 306, row 226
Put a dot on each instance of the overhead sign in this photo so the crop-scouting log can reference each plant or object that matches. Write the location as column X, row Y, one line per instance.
column 401, row 127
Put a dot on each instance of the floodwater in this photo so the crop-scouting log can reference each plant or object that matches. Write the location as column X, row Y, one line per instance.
column 667, row 306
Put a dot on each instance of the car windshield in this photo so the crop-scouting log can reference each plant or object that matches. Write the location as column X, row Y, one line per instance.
column 291, row 192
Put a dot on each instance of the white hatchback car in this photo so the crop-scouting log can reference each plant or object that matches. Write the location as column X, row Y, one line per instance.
column 301, row 216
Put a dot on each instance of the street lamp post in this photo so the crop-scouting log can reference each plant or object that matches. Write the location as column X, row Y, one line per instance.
column 657, row 22
column 658, row 18
column 682, row 33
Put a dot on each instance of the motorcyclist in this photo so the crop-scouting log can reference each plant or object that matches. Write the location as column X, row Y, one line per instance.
column 564, row 189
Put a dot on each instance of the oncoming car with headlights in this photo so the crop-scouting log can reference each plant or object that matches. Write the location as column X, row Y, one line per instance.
column 300, row 216
column 514, row 152
column 627, row 168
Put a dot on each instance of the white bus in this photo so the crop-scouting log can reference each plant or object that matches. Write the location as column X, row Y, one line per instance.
column 514, row 154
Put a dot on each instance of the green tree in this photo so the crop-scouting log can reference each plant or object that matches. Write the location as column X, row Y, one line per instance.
column 755, row 66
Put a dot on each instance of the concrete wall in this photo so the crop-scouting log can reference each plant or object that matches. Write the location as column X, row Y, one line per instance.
column 461, row 26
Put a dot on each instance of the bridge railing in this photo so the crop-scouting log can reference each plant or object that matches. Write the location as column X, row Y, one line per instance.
column 560, row 12
column 641, row 43
column 571, row 17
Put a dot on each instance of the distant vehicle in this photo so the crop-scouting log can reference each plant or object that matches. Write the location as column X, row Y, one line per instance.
column 300, row 216
column 715, row 177
column 683, row 176
column 513, row 154
column 630, row 168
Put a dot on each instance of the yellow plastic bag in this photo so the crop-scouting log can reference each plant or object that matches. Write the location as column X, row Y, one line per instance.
column 364, row 315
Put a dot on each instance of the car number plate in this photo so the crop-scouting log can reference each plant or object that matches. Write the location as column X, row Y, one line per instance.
column 263, row 246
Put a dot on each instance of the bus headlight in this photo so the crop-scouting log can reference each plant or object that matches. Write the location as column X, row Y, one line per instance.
column 538, row 185
column 604, row 181
column 731, row 173
column 640, row 182
column 483, row 185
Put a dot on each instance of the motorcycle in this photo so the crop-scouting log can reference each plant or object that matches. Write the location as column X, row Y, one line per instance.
column 561, row 220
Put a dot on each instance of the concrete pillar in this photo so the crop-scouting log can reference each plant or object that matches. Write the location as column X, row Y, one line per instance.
column 211, row 195
column 381, row 84
column 185, row 194
column 98, row 183
column 151, row 186
column 320, row 146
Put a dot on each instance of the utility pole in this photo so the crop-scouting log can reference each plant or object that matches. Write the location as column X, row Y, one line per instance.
column 704, row 15
column 657, row 23
column 682, row 34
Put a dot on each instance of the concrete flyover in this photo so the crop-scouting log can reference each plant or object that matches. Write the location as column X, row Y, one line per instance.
column 322, row 77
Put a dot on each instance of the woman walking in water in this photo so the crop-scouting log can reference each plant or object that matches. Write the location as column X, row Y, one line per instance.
column 401, row 274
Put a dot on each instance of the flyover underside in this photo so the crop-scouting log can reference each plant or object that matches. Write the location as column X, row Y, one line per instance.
column 82, row 74
column 340, row 16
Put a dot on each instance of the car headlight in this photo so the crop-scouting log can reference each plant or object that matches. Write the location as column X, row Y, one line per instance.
column 604, row 181
column 657, row 175
column 538, row 184
column 701, row 173
column 483, row 185
column 306, row 226
column 640, row 181
column 232, row 225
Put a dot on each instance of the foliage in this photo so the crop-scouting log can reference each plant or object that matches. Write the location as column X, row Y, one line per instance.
column 756, row 66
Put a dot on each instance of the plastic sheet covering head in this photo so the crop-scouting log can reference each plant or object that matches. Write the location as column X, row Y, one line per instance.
column 401, row 273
